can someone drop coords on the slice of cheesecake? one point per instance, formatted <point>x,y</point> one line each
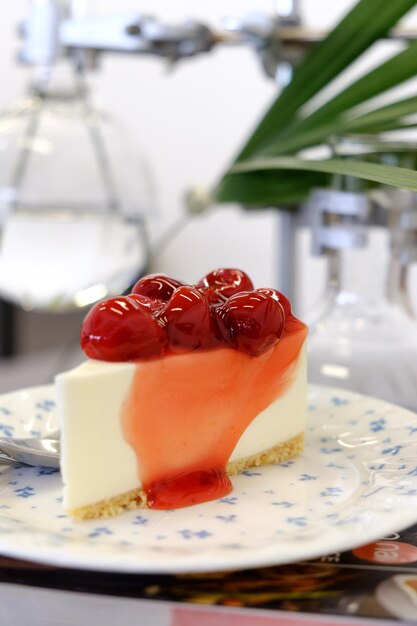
<point>167,431</point>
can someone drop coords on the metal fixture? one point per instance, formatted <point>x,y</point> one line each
<point>54,30</point>
<point>61,32</point>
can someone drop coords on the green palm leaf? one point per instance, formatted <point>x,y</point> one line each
<point>388,114</point>
<point>262,175</point>
<point>258,188</point>
<point>383,174</point>
<point>368,21</point>
<point>253,180</point>
<point>326,121</point>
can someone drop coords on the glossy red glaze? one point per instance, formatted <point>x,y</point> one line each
<point>212,296</point>
<point>182,318</point>
<point>279,297</point>
<point>194,487</point>
<point>122,329</point>
<point>186,319</point>
<point>252,322</point>
<point>184,415</point>
<point>223,283</point>
<point>150,305</point>
<point>157,286</point>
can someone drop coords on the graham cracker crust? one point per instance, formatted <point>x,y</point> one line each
<point>136,498</point>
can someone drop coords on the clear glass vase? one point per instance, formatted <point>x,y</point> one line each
<point>364,337</point>
<point>73,196</point>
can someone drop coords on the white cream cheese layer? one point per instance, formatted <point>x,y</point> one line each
<point>97,463</point>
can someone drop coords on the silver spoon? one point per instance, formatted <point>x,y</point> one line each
<point>44,451</point>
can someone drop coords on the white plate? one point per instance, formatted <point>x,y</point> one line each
<point>355,482</point>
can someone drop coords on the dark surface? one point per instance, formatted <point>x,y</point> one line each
<point>7,329</point>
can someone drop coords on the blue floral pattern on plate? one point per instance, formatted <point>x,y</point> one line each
<point>355,482</point>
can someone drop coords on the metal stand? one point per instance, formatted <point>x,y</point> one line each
<point>286,261</point>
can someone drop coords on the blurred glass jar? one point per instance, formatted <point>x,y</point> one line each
<point>365,335</point>
<point>73,198</point>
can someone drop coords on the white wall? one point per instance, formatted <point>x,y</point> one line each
<point>188,124</point>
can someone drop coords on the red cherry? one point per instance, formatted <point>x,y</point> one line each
<point>148,304</point>
<point>279,297</point>
<point>187,320</point>
<point>225,283</point>
<point>156,286</point>
<point>214,298</point>
<point>252,322</point>
<point>122,329</point>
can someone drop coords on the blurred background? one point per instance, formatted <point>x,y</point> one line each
<point>180,126</point>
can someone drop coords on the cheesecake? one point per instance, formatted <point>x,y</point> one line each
<point>183,387</point>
